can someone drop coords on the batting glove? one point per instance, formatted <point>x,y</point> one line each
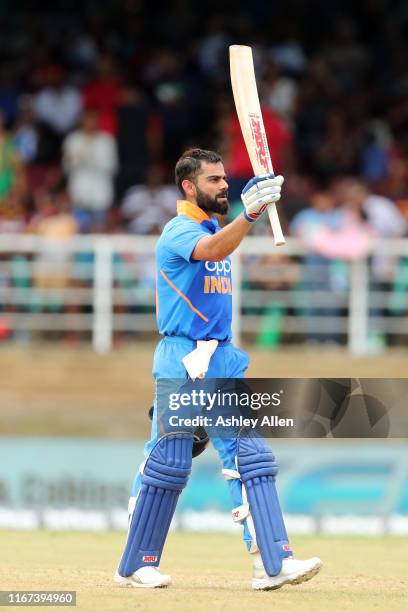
<point>259,193</point>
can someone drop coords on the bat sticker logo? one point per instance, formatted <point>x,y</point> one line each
<point>261,152</point>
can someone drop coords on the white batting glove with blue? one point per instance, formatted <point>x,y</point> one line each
<point>259,193</point>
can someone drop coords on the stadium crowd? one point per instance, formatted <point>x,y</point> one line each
<point>98,101</point>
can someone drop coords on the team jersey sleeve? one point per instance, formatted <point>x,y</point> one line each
<point>182,238</point>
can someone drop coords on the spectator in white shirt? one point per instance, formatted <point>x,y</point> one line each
<point>147,208</point>
<point>56,110</point>
<point>384,217</point>
<point>382,214</point>
<point>58,105</point>
<point>90,163</point>
<point>388,222</point>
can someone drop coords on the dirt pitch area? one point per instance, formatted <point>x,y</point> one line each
<point>209,572</point>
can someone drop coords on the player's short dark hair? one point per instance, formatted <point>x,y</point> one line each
<point>189,164</point>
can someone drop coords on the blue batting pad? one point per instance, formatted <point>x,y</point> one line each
<point>257,469</point>
<point>164,477</point>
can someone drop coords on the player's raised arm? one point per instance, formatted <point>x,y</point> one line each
<point>259,193</point>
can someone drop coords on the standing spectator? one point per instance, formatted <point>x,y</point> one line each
<point>57,108</point>
<point>213,47</point>
<point>337,152</point>
<point>103,93</point>
<point>90,162</point>
<point>9,92</point>
<point>133,138</point>
<point>279,92</point>
<point>25,131</point>
<point>312,105</point>
<point>11,169</point>
<point>177,103</point>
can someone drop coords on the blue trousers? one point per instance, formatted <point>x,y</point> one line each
<point>227,362</point>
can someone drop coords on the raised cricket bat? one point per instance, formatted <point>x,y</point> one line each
<point>251,122</point>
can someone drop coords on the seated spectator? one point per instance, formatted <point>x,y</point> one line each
<point>382,214</point>
<point>147,208</point>
<point>52,266</point>
<point>376,153</point>
<point>333,233</point>
<point>273,275</point>
<point>53,216</point>
<point>388,222</point>
<point>13,216</point>
<point>317,272</point>
<point>385,219</point>
<point>321,213</point>
<point>90,163</point>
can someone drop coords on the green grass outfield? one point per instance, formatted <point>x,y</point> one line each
<point>210,572</point>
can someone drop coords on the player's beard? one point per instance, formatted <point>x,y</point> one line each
<point>213,205</point>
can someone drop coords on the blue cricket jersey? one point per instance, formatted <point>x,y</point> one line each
<point>194,298</point>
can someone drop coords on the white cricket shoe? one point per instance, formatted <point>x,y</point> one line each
<point>146,577</point>
<point>293,571</point>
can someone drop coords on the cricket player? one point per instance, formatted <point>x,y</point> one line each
<point>194,306</point>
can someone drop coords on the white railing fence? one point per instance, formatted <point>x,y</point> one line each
<point>99,286</point>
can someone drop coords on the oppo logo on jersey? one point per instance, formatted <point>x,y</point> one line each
<point>219,267</point>
<point>220,282</point>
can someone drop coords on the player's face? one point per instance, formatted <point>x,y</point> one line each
<point>212,189</point>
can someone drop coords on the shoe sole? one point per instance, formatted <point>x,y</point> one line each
<point>139,585</point>
<point>296,579</point>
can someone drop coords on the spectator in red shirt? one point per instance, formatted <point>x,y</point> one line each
<point>102,93</point>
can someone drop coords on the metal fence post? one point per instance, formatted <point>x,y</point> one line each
<point>102,324</point>
<point>358,307</point>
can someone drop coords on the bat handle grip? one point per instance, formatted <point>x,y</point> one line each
<point>276,226</point>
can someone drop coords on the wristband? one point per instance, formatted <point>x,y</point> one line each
<point>250,217</point>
